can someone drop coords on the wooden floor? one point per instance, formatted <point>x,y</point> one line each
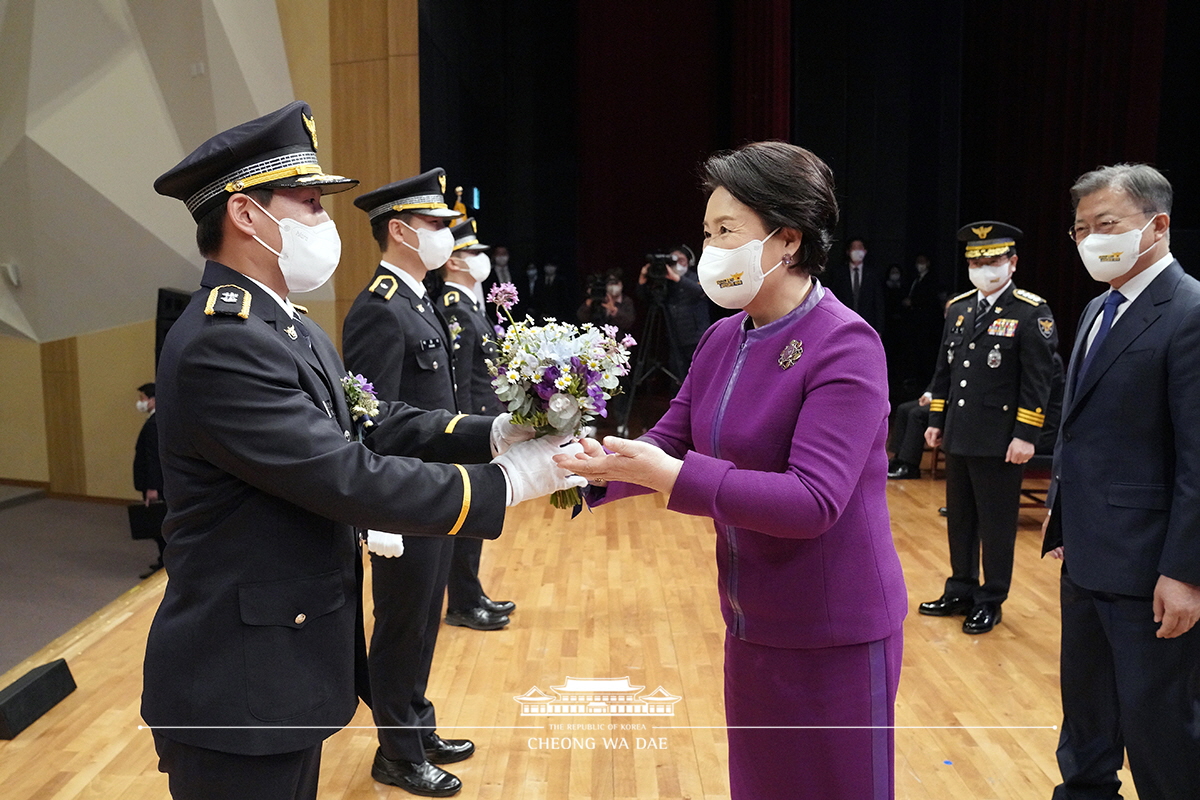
<point>627,591</point>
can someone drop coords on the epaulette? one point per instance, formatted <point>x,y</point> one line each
<point>302,309</point>
<point>451,297</point>
<point>1028,297</point>
<point>385,286</point>
<point>228,300</point>
<point>962,296</point>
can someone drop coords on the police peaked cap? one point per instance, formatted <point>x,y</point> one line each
<point>423,194</point>
<point>466,236</point>
<point>988,238</point>
<point>276,151</point>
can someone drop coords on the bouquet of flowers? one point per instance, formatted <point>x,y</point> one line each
<point>555,377</point>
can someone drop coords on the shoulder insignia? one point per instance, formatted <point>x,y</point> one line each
<point>228,300</point>
<point>385,286</point>
<point>450,298</point>
<point>962,296</point>
<point>1028,297</point>
<point>300,308</point>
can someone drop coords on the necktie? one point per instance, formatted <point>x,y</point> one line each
<point>981,314</point>
<point>303,331</point>
<point>855,282</point>
<point>1111,302</point>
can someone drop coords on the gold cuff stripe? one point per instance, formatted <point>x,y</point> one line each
<point>453,422</point>
<point>466,505</point>
<point>273,175</point>
<point>1031,417</point>
<point>937,406</point>
<point>380,279</point>
<point>210,308</point>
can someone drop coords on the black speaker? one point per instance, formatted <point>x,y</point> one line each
<point>171,303</point>
<point>33,694</point>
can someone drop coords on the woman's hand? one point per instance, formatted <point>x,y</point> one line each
<point>628,461</point>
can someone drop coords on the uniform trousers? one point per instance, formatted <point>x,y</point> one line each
<point>463,587</point>
<point>197,773</point>
<point>812,723</point>
<point>1124,689</point>
<point>983,501</point>
<point>908,432</point>
<point>408,593</point>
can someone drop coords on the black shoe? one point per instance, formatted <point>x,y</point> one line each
<point>418,778</point>
<point>982,618</point>
<point>942,511</point>
<point>904,471</point>
<point>447,751</point>
<point>476,618</point>
<point>496,607</point>
<point>946,606</point>
<point>155,567</point>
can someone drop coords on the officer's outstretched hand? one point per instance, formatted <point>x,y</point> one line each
<point>506,433</point>
<point>388,545</point>
<point>531,470</point>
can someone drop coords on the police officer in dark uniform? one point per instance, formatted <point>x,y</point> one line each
<point>394,336</point>
<point>991,392</point>
<point>474,342</point>
<point>256,653</point>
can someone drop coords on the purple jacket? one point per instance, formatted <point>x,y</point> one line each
<point>790,465</point>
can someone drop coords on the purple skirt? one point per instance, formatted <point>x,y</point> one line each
<point>813,723</point>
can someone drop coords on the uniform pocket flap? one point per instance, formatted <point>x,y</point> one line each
<point>1140,495</point>
<point>291,603</point>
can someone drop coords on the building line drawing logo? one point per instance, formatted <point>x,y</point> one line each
<point>597,696</point>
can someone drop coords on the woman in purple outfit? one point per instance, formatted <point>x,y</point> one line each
<point>778,435</point>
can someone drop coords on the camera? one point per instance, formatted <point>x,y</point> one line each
<point>597,288</point>
<point>659,264</point>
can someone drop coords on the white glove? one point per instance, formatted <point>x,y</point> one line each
<point>531,470</point>
<point>388,545</point>
<point>506,433</point>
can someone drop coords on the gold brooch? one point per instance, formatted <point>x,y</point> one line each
<point>791,354</point>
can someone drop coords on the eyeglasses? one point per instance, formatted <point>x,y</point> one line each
<point>1077,233</point>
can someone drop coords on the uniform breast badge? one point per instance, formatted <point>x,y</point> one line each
<point>791,354</point>
<point>994,357</point>
<point>290,330</point>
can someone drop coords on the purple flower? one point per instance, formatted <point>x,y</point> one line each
<point>503,295</point>
<point>610,331</point>
<point>364,385</point>
<point>628,341</point>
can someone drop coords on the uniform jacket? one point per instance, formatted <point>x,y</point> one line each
<point>147,470</point>
<point>259,622</point>
<point>994,383</point>
<point>473,343</point>
<point>789,463</point>
<point>1126,488</point>
<point>398,342</point>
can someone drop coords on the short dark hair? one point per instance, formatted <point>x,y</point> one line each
<point>147,389</point>
<point>1148,187</point>
<point>210,229</point>
<point>788,187</point>
<point>379,226</point>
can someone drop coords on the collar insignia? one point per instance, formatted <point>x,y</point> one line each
<point>290,330</point>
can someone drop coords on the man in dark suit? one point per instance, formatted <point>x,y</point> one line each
<point>1125,501</point>
<point>990,395</point>
<point>859,286</point>
<point>147,468</point>
<point>394,335</point>
<point>256,654</point>
<point>473,342</point>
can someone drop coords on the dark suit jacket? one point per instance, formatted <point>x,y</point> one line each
<point>870,305</point>
<point>1126,488</point>
<point>397,341</point>
<point>994,382</point>
<point>261,621</point>
<point>147,469</point>
<point>474,343</point>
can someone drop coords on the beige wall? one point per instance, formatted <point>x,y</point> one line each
<point>22,415</point>
<point>112,364</point>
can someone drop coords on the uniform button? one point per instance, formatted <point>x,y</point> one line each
<point>1066,437</point>
<point>1006,408</point>
<point>966,364</point>
<point>961,402</point>
<point>347,435</point>
<point>962,383</point>
<point>971,345</point>
<point>435,365</point>
<point>300,619</point>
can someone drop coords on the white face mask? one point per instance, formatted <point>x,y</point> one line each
<point>732,277</point>
<point>143,406</point>
<point>988,279</point>
<point>1108,256</point>
<point>614,290</point>
<point>309,253</point>
<point>856,256</point>
<point>434,247</point>
<point>479,265</point>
